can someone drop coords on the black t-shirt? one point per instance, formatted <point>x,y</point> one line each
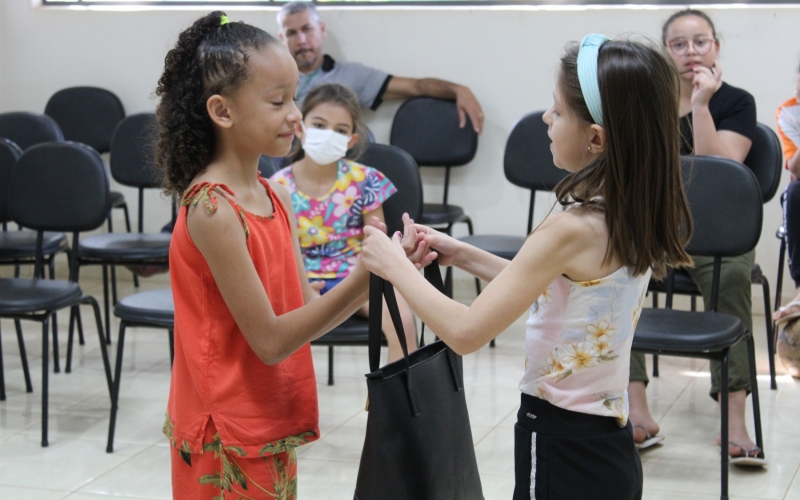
<point>731,108</point>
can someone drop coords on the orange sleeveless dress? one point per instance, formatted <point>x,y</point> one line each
<point>223,398</point>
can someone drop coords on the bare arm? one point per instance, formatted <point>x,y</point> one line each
<point>220,239</point>
<point>467,104</point>
<point>707,140</point>
<point>545,256</point>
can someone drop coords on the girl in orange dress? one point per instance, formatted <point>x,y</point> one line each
<point>243,393</point>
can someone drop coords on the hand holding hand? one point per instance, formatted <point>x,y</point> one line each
<point>379,254</point>
<point>706,82</point>
<point>445,247</point>
<point>468,105</point>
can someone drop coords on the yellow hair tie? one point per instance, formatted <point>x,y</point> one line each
<point>223,20</point>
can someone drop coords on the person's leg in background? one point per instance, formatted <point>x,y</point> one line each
<point>791,222</point>
<point>645,428</point>
<point>734,299</point>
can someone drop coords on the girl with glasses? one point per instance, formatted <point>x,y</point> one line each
<point>716,119</point>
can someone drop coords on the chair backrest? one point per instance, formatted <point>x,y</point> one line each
<point>765,159</point>
<point>9,154</point>
<point>132,159</point>
<point>428,130</point>
<point>725,202</point>
<point>528,161</point>
<point>28,129</point>
<point>402,170</point>
<point>86,114</point>
<point>60,186</point>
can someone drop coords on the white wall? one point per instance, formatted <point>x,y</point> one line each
<point>507,56</point>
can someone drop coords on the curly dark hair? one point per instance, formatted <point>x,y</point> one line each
<point>210,58</point>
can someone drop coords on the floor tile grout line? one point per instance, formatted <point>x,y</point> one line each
<point>114,468</point>
<point>789,487</point>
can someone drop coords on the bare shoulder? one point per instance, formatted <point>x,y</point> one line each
<point>578,225</point>
<point>281,191</point>
<point>211,217</point>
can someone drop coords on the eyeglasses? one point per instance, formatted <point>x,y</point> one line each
<point>701,46</point>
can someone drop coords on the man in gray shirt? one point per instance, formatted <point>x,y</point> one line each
<point>302,31</point>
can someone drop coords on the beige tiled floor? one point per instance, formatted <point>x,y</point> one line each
<point>76,466</point>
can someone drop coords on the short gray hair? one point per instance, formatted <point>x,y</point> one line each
<point>297,7</point>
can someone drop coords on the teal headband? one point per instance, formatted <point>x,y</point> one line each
<point>587,74</point>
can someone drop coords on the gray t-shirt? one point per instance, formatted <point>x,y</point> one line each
<point>369,84</point>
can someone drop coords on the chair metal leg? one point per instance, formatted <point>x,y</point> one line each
<point>655,300</point>
<point>171,346</point>
<point>2,374</point>
<point>330,365</point>
<point>73,312</point>
<point>106,307</point>
<point>113,285</point>
<point>655,365</point>
<point>751,352</point>
<point>724,428</point>
<point>56,364</point>
<point>770,334</point>
<point>127,217</point>
<point>88,299</point>
<point>469,225</point>
<point>45,380</point>
<point>115,388</point>
<point>23,355</point>
<point>693,301</point>
<point>779,280</point>
<point>81,341</point>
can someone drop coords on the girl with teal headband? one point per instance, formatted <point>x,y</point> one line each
<point>582,273</point>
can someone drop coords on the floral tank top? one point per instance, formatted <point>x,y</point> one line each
<point>331,228</point>
<point>578,343</point>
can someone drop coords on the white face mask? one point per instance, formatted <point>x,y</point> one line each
<point>324,146</point>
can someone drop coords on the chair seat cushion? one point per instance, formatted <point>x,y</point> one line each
<point>25,295</point>
<point>501,245</point>
<point>354,331</point>
<point>434,214</point>
<point>756,274</point>
<point>669,330</point>
<point>116,199</point>
<point>22,244</point>
<point>126,247</point>
<point>150,308</point>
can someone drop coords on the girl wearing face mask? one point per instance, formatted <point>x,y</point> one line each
<point>333,196</point>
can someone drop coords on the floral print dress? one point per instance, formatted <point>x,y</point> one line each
<point>331,228</point>
<point>578,343</point>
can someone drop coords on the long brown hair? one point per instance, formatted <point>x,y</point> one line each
<point>333,93</point>
<point>636,181</point>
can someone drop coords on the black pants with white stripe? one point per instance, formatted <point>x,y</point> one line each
<point>565,455</point>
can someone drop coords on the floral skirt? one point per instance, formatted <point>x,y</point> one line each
<point>224,472</point>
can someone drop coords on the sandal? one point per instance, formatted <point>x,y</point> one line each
<point>789,317</point>
<point>750,457</point>
<point>649,439</point>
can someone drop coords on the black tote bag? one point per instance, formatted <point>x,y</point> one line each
<point>418,444</point>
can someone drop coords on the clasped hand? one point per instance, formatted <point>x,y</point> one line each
<point>419,245</point>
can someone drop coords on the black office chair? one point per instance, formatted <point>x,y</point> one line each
<point>727,219</point>
<point>16,246</point>
<point>132,164</point>
<point>55,187</point>
<point>766,162</point>
<point>90,115</point>
<point>428,130</point>
<point>29,129</point>
<point>527,163</point>
<point>153,309</point>
<point>401,169</point>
